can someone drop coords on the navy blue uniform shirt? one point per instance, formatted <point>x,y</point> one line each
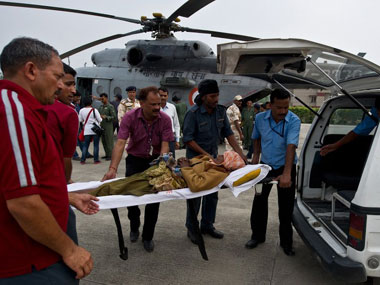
<point>207,130</point>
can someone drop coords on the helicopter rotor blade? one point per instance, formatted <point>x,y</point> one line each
<point>33,6</point>
<point>219,34</point>
<point>98,42</point>
<point>188,9</point>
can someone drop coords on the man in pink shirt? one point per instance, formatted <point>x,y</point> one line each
<point>149,131</point>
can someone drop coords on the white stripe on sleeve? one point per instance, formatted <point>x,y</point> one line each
<point>25,136</point>
<point>14,139</point>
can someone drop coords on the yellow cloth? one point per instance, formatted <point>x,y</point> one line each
<point>203,175</point>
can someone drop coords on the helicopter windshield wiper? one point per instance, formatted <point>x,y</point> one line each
<point>353,99</point>
<point>97,42</point>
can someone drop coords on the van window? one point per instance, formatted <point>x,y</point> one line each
<point>340,68</point>
<point>343,120</point>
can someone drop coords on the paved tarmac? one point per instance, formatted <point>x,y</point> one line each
<point>175,260</point>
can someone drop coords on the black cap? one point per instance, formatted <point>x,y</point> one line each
<point>130,88</point>
<point>118,96</point>
<point>208,86</point>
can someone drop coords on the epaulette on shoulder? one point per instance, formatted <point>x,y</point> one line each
<point>221,108</point>
<point>194,108</point>
<point>125,103</point>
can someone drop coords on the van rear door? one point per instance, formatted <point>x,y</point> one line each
<point>285,60</point>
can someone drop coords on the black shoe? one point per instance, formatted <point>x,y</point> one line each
<point>191,236</point>
<point>252,243</point>
<point>134,236</point>
<point>89,156</point>
<point>213,232</point>
<point>288,250</point>
<point>103,157</point>
<point>148,245</point>
<point>77,158</point>
<point>108,158</point>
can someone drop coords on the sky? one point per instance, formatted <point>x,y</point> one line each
<point>349,25</point>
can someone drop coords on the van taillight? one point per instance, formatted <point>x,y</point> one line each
<point>356,232</point>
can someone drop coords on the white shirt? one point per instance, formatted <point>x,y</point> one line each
<point>91,119</point>
<point>171,111</point>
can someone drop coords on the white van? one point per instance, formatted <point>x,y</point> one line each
<point>337,209</point>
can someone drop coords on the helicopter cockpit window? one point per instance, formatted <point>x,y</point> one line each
<point>200,49</point>
<point>135,56</point>
<point>339,68</point>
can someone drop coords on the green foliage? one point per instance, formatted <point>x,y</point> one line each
<point>339,117</point>
<point>350,117</point>
<point>304,113</point>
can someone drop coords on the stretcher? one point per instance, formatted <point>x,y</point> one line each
<point>114,202</point>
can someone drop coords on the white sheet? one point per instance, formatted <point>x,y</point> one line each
<point>118,201</point>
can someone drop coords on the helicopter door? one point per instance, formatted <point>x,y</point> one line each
<point>100,86</point>
<point>84,86</point>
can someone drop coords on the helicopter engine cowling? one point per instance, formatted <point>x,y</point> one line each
<point>159,55</point>
<point>170,54</point>
<point>110,58</point>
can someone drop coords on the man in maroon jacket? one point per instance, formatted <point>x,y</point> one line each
<point>34,202</point>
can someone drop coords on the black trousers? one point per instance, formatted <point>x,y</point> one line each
<point>71,230</point>
<point>134,165</point>
<point>172,147</point>
<point>209,203</point>
<point>259,214</point>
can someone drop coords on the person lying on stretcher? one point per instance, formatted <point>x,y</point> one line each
<point>199,173</point>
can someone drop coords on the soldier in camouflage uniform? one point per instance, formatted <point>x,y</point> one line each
<point>248,117</point>
<point>234,116</point>
<point>108,114</point>
<point>128,104</point>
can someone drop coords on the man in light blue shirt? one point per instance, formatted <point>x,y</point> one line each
<point>275,136</point>
<point>364,128</point>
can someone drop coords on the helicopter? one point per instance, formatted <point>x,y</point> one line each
<point>178,65</point>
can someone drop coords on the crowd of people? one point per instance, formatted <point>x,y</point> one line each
<point>43,122</point>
